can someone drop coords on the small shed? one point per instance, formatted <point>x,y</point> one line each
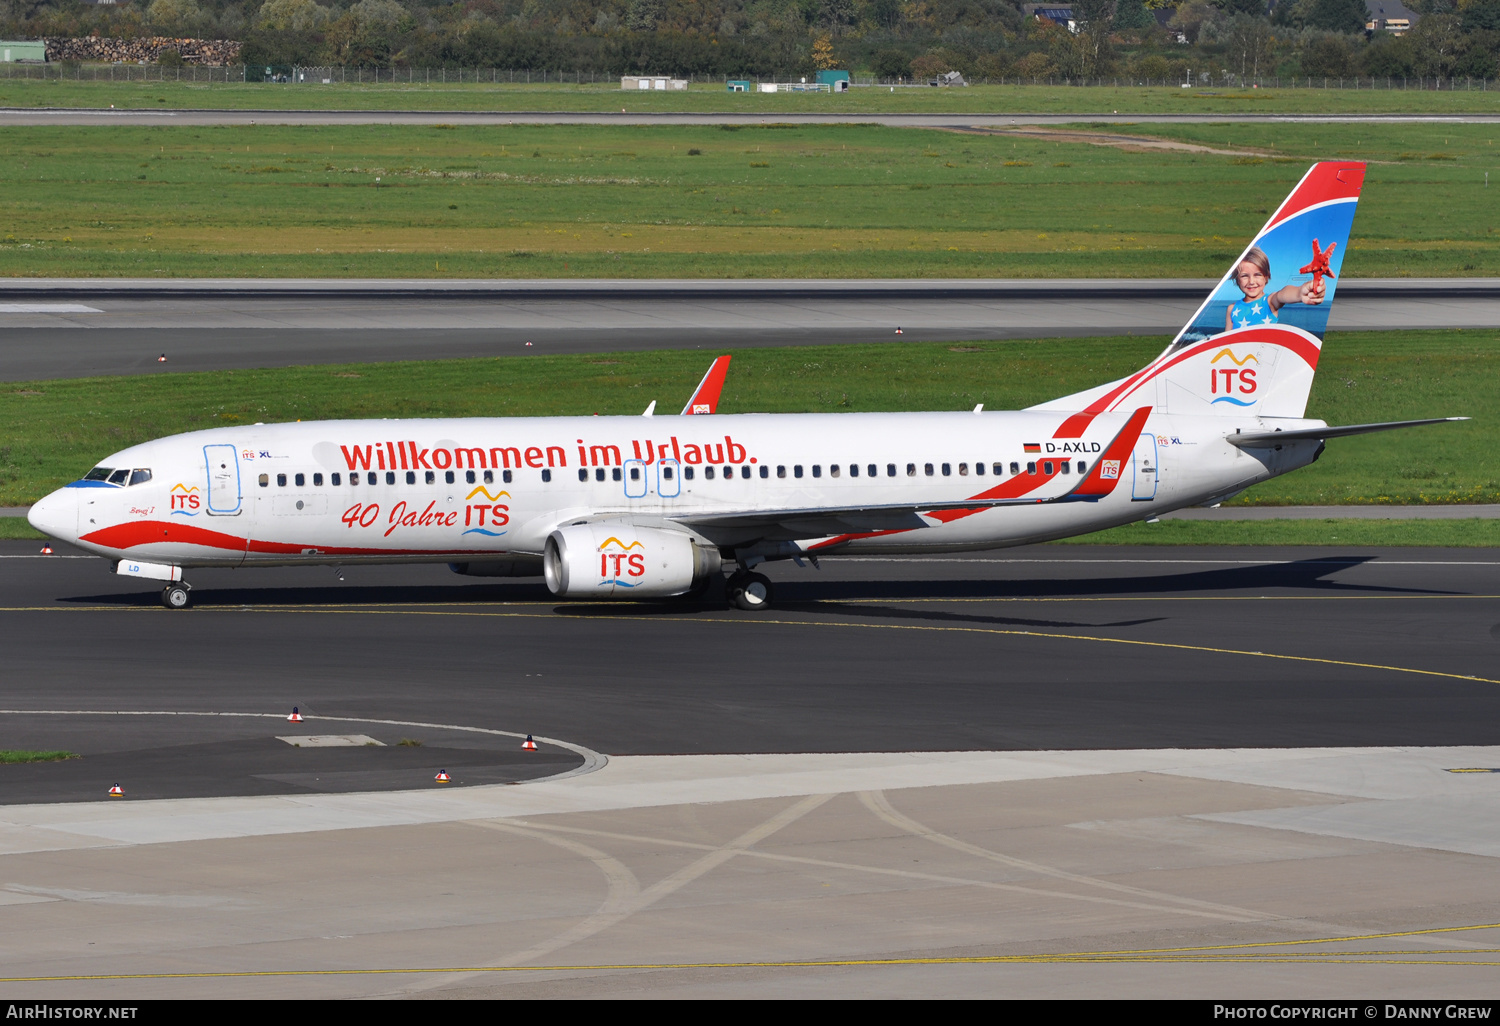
<point>738,85</point>
<point>634,82</point>
<point>31,52</point>
<point>838,81</point>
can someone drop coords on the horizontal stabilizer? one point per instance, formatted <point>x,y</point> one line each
<point>1260,439</point>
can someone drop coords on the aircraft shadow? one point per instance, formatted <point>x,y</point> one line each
<point>807,592</point>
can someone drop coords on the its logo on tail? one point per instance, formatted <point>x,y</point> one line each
<point>1237,378</point>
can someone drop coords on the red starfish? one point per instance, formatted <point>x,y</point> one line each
<point>1319,265</point>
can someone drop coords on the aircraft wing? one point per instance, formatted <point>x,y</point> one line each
<point>706,396</point>
<point>737,527</point>
<point>1261,439</point>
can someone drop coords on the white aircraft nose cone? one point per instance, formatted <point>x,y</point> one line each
<point>56,515</point>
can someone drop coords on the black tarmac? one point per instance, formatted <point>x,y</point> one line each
<point>1047,647</point>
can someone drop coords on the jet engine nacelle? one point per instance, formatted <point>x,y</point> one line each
<point>616,560</point>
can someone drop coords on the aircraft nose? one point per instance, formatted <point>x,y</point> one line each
<point>56,515</point>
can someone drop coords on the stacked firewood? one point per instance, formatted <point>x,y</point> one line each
<point>94,50</point>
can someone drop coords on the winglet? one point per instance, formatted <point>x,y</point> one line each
<point>1110,466</point>
<point>706,397</point>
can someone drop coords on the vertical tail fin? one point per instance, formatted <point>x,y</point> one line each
<point>1252,346</point>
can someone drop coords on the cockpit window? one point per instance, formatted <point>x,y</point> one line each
<point>99,474</point>
<point>139,476</point>
<point>119,477</point>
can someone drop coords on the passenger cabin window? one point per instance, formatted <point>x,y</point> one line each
<point>687,472</point>
<point>1046,466</point>
<point>336,480</point>
<point>447,476</point>
<point>583,474</point>
<point>765,472</point>
<point>99,474</point>
<point>489,477</point>
<point>119,477</point>
<point>1082,467</point>
<point>927,469</point>
<point>911,470</point>
<point>635,473</point>
<point>797,470</point>
<point>300,480</point>
<point>390,477</point>
<point>872,470</point>
<point>265,479</point>
<point>1031,467</point>
<point>979,469</point>
<point>817,470</point>
<point>1015,468</point>
<point>854,470</point>
<point>708,473</point>
<point>614,474</point>
<point>963,470</point>
<point>431,477</point>
<point>370,477</point>
<point>411,477</point>
<point>317,480</point>
<point>280,480</point>
<point>469,477</point>
<point>999,469</point>
<point>745,472</point>
<point>833,471</point>
<point>546,476</point>
<point>1066,466</point>
<point>780,471</point>
<point>666,473</point>
<point>947,469</point>
<point>598,473</point>
<point>139,476</point>
<point>890,470</point>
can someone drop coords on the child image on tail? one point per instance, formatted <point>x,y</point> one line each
<point>1259,307</point>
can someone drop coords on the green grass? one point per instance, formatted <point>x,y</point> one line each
<point>1475,533</point>
<point>13,528</point>
<point>52,431</point>
<point>776,201</point>
<point>606,97</point>
<point>9,756</point>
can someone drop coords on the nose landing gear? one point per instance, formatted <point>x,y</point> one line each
<point>749,591</point>
<point>176,596</point>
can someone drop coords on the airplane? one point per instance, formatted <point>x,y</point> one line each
<point>656,507</point>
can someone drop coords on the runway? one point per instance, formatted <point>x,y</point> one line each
<point>15,116</point>
<point>1041,772</point>
<point>51,329</point>
<point>1037,648</point>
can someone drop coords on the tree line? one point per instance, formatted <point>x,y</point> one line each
<point>1155,40</point>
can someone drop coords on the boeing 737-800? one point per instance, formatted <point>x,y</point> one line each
<point>649,507</point>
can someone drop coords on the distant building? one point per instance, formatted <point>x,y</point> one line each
<point>1058,14</point>
<point>1388,16</point>
<point>838,81</point>
<point>949,78</point>
<point>652,82</point>
<point>24,52</point>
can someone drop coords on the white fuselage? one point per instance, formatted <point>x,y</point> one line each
<point>476,489</point>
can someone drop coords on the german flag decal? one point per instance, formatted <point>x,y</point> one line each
<point>1033,446</point>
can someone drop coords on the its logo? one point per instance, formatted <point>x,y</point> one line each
<point>184,500</point>
<point>702,408</point>
<point>247,454</point>
<point>494,511</point>
<point>1238,378</point>
<point>634,563</point>
<point>1109,470</point>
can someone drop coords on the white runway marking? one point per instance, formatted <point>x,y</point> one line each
<point>6,308</point>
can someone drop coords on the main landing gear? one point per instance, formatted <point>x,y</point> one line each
<point>749,591</point>
<point>176,596</point>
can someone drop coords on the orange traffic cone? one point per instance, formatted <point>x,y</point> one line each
<point>162,358</point>
<point>46,550</point>
<point>117,791</point>
<point>900,332</point>
<point>442,777</point>
<point>295,717</point>
<point>530,745</point>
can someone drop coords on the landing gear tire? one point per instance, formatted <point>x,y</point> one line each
<point>749,592</point>
<point>176,596</point>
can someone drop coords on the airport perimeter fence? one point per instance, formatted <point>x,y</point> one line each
<point>293,75</point>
